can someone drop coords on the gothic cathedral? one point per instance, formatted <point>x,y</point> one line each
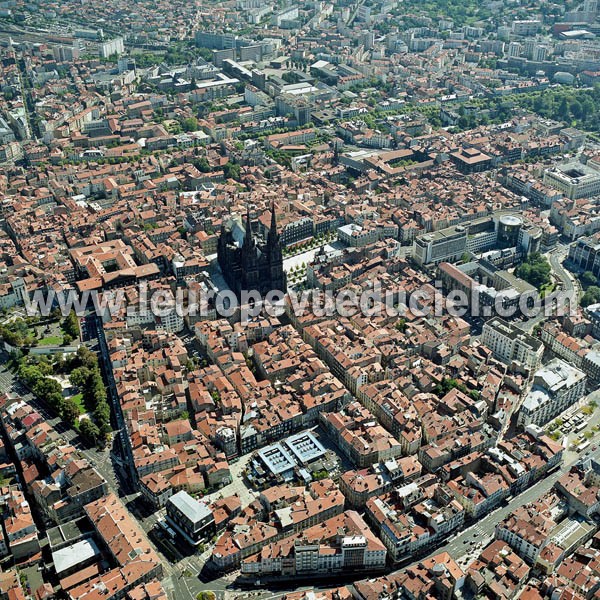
<point>254,264</point>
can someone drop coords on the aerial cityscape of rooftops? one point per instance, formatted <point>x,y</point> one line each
<point>299,300</point>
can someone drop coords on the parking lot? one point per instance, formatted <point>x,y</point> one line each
<point>576,427</point>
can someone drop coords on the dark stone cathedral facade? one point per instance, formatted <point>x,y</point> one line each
<point>252,263</point>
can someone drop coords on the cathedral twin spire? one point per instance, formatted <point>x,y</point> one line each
<point>272,238</point>
<point>255,265</point>
<point>248,238</point>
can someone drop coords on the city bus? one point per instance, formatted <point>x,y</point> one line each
<point>583,446</point>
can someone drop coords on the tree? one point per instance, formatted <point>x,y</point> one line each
<point>69,411</point>
<point>30,374</point>
<point>591,296</point>
<point>401,324</point>
<point>59,363</point>
<point>588,279</point>
<point>232,171</point>
<point>98,389</point>
<point>87,358</point>
<point>202,165</point>
<point>17,333</point>
<point>448,385</point>
<point>563,110</point>
<point>90,431</point>
<point>71,325</point>
<point>54,401</point>
<point>576,109</point>
<point>190,124</point>
<point>105,429</point>
<point>80,376</point>
<point>535,270</point>
<point>587,107</point>
<point>540,105</point>
<point>46,387</point>
<point>102,413</point>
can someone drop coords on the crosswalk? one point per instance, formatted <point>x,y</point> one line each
<point>481,534</point>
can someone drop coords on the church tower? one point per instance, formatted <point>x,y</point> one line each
<point>252,263</point>
<point>274,254</point>
<point>250,254</point>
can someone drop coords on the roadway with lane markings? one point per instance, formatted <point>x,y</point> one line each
<point>483,531</point>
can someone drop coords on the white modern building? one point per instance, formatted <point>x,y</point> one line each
<point>446,245</point>
<point>356,236</point>
<point>556,386</point>
<point>575,180</point>
<point>111,47</point>
<point>193,520</point>
<point>512,345</point>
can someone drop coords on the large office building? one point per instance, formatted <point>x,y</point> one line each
<point>556,386</point>
<point>111,47</point>
<point>502,231</point>
<point>444,245</point>
<point>592,312</point>
<point>6,133</point>
<point>191,519</point>
<point>585,253</point>
<point>575,180</point>
<point>217,41</point>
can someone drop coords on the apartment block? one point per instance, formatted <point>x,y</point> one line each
<point>556,386</point>
<point>512,345</point>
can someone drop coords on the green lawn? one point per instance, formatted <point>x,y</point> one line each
<point>51,340</point>
<point>78,399</point>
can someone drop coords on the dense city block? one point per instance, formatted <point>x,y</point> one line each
<point>299,300</point>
